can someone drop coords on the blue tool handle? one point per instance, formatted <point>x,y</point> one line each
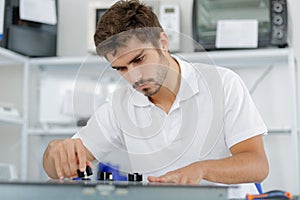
<point>274,194</point>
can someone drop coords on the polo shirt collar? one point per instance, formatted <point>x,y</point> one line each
<point>189,83</point>
<point>188,86</point>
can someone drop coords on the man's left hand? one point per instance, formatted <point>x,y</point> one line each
<point>190,174</point>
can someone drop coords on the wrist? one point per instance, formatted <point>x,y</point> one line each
<point>202,169</point>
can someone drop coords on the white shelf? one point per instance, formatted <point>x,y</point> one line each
<point>255,57</point>
<point>53,131</point>
<point>4,62</point>
<point>235,55</point>
<point>279,131</point>
<point>260,56</point>
<point>12,57</point>
<point>72,131</point>
<point>11,120</point>
<point>52,61</point>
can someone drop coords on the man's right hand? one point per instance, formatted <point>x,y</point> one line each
<point>62,158</point>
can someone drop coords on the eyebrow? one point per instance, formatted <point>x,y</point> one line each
<point>131,61</point>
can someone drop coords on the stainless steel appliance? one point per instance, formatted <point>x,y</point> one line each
<point>270,14</point>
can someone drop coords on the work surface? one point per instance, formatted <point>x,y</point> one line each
<point>92,190</point>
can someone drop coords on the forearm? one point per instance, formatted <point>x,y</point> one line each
<point>241,168</point>
<point>248,163</point>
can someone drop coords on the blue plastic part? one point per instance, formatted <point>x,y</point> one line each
<point>114,169</point>
<point>259,188</point>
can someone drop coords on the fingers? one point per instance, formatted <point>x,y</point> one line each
<point>67,156</point>
<point>162,179</point>
<point>65,164</point>
<point>72,160</point>
<point>81,155</point>
<point>153,179</point>
<point>53,160</point>
<point>175,177</point>
<point>57,165</point>
<point>90,164</point>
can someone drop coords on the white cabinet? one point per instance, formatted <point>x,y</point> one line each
<point>33,70</point>
<point>278,104</point>
<point>11,58</point>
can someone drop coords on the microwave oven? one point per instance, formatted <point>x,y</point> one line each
<point>270,15</point>
<point>97,8</point>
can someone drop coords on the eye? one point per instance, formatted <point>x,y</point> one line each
<point>139,59</point>
<point>120,68</point>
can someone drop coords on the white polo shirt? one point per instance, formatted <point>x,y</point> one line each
<point>208,116</point>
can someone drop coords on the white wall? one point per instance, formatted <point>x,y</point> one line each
<point>72,17</point>
<point>294,6</point>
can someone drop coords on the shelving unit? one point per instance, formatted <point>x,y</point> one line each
<point>52,131</point>
<point>11,58</point>
<point>224,58</point>
<point>254,56</point>
<point>12,120</point>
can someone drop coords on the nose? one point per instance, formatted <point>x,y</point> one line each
<point>135,74</point>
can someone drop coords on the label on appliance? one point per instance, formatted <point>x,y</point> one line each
<point>42,11</point>
<point>237,33</point>
<point>169,18</point>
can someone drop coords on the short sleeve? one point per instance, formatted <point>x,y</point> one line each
<point>242,119</point>
<point>101,134</point>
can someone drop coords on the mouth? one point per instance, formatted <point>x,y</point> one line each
<point>143,84</point>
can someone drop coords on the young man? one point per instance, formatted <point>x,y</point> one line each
<point>174,122</point>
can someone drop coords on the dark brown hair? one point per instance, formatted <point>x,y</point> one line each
<point>126,18</point>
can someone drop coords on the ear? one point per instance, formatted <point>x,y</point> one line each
<point>164,41</point>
